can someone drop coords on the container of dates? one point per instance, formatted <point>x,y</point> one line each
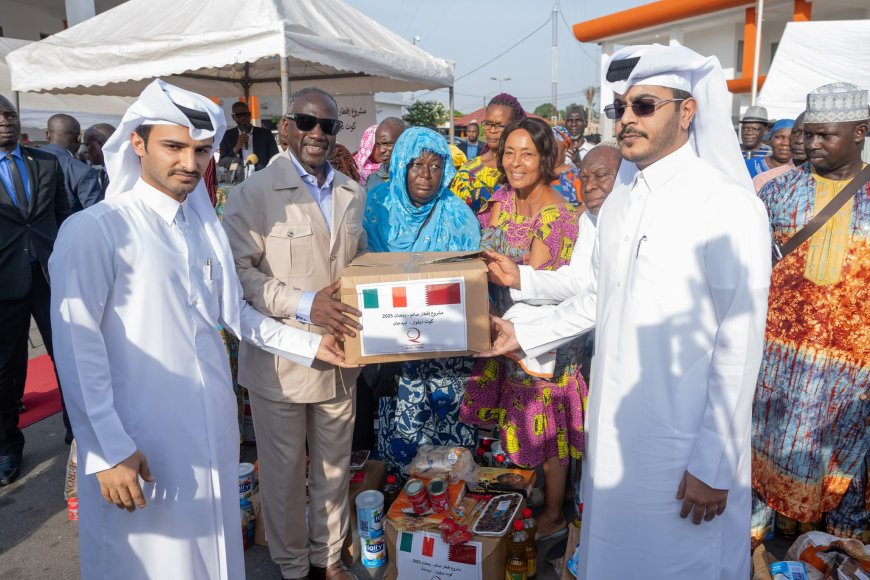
<point>496,518</point>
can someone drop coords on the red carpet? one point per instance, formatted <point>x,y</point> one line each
<point>41,395</point>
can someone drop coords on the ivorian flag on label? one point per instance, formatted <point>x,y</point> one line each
<point>412,295</point>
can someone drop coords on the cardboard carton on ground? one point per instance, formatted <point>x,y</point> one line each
<point>493,550</point>
<point>417,306</point>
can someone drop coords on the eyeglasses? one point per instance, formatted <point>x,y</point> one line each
<point>490,126</point>
<point>307,122</point>
<point>640,107</point>
<point>242,114</point>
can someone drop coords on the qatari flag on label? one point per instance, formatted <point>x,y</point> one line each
<point>442,294</point>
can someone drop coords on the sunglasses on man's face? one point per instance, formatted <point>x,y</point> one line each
<point>307,123</point>
<point>641,108</point>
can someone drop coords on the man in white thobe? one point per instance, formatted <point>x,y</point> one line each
<point>680,299</point>
<point>140,285</point>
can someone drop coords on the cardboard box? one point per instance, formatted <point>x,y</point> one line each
<point>417,306</point>
<point>497,480</point>
<point>259,527</point>
<point>493,549</point>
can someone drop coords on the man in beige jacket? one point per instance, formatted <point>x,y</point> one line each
<point>293,227</point>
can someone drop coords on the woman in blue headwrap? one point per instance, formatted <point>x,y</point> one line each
<point>780,149</point>
<point>416,212</point>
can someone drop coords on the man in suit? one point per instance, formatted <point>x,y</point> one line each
<point>245,139</point>
<point>33,203</point>
<point>82,182</point>
<point>471,146</point>
<point>293,227</point>
<point>95,137</point>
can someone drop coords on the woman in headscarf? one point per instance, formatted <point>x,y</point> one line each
<point>538,404</point>
<point>780,151</point>
<point>798,156</point>
<point>364,158</point>
<point>477,179</point>
<point>415,212</point>
<point>567,181</point>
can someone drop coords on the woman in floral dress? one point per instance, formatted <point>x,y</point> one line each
<point>540,417</point>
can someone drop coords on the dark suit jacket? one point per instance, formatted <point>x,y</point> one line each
<point>20,236</point>
<point>262,142</point>
<point>464,148</point>
<point>82,182</point>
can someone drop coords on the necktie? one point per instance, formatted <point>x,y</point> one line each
<point>19,196</point>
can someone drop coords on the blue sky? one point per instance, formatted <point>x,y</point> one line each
<point>471,32</point>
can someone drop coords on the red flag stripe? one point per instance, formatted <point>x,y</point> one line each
<point>400,297</point>
<point>428,546</point>
<point>442,294</point>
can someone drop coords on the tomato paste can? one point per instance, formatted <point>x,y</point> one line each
<point>439,495</point>
<point>415,489</point>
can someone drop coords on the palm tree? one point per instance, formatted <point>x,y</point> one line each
<point>590,93</point>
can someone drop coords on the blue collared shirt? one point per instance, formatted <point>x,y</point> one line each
<point>322,194</point>
<point>6,175</point>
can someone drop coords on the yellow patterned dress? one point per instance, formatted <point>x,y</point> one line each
<point>475,184</point>
<point>538,418</point>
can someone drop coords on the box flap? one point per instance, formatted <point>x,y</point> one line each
<point>410,261</point>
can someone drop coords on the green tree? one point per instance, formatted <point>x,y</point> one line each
<point>424,113</point>
<point>546,110</point>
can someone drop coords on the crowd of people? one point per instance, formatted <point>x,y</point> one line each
<point>725,392</point>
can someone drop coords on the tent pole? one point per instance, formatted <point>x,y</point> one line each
<point>16,97</point>
<point>452,126</point>
<point>759,18</point>
<point>285,86</point>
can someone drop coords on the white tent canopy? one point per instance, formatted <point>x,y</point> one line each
<point>223,47</point>
<point>812,54</point>
<point>35,109</point>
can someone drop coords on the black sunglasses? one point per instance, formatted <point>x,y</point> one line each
<point>307,122</point>
<point>640,107</point>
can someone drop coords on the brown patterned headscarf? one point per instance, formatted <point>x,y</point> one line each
<point>343,162</point>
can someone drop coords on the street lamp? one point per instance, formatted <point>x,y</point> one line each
<point>500,80</point>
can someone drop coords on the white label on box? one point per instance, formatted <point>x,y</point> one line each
<point>422,555</point>
<point>413,316</point>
